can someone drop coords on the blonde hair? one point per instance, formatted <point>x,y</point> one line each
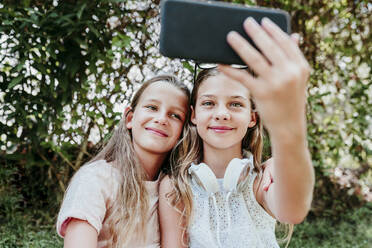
<point>190,150</point>
<point>128,214</point>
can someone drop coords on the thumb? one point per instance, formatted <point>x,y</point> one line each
<point>295,37</point>
<point>267,182</point>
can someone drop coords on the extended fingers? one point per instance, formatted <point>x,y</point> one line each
<point>263,41</point>
<point>295,38</point>
<point>288,44</point>
<point>248,53</point>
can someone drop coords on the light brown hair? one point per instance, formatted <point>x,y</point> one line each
<point>190,150</point>
<point>128,215</point>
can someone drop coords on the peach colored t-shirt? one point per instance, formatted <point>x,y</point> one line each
<point>92,191</point>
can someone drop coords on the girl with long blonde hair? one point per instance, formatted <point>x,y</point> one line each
<point>214,195</point>
<point>112,200</point>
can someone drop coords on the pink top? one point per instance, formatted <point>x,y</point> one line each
<point>92,191</point>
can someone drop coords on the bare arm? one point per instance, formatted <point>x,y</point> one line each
<point>171,223</point>
<point>80,233</point>
<point>293,184</point>
<point>279,91</point>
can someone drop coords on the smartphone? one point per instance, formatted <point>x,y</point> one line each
<point>197,30</point>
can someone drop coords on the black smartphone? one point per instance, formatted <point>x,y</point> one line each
<point>197,30</point>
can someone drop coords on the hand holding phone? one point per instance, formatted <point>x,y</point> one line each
<point>281,74</point>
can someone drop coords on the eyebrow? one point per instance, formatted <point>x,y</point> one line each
<point>152,100</point>
<point>234,97</point>
<point>175,107</point>
<point>239,97</point>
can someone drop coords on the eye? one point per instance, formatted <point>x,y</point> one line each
<point>151,107</point>
<point>236,104</point>
<point>177,116</point>
<point>207,103</point>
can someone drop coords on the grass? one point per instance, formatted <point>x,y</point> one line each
<point>44,237</point>
<point>354,229</point>
<point>21,231</point>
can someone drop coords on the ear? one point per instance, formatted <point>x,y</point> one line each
<point>193,120</point>
<point>128,115</point>
<point>127,110</point>
<point>253,121</point>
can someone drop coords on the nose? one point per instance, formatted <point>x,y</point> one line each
<point>161,118</point>
<point>222,114</point>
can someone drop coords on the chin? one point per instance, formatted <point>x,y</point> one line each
<point>157,151</point>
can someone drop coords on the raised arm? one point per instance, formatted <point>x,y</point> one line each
<point>290,195</point>
<point>171,222</point>
<point>279,91</point>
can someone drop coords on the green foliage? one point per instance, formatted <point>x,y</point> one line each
<point>64,66</point>
<point>20,232</point>
<point>352,229</point>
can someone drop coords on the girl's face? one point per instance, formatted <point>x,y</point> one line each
<point>158,118</point>
<point>222,112</point>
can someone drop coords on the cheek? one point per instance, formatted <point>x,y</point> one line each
<point>200,116</point>
<point>178,127</point>
<point>245,121</point>
<point>142,117</point>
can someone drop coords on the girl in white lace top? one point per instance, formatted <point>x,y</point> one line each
<point>217,193</point>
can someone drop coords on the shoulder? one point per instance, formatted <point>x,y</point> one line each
<point>166,185</point>
<point>97,175</point>
<point>99,169</point>
<point>98,166</point>
<point>91,190</point>
<point>165,194</point>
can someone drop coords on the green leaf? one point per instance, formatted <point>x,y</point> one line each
<point>95,31</point>
<point>80,12</point>
<point>7,22</point>
<point>188,66</point>
<point>20,65</point>
<point>15,81</point>
<point>125,39</point>
<point>53,15</point>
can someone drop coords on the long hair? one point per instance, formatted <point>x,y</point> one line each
<point>190,150</point>
<point>128,215</point>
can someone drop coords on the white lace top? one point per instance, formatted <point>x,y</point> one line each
<point>224,216</point>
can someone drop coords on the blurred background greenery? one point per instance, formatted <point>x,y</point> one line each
<point>67,69</point>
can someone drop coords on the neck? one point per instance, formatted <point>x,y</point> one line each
<point>218,159</point>
<point>151,163</point>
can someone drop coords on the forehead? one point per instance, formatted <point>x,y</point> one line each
<point>220,85</point>
<point>164,92</point>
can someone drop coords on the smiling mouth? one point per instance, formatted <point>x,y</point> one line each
<point>157,132</point>
<point>221,129</point>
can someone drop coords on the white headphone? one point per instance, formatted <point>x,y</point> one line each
<point>208,180</point>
